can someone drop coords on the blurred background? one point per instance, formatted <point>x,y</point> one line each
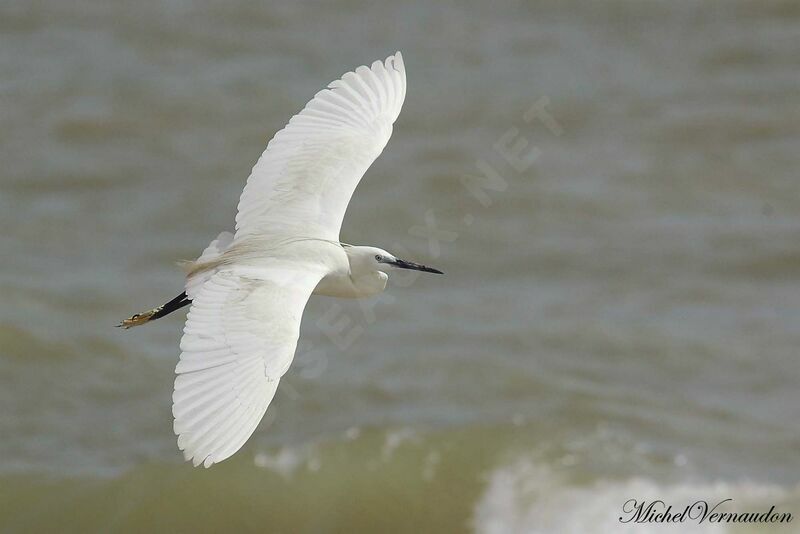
<point>619,318</point>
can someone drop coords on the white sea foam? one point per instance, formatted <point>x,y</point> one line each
<point>288,460</point>
<point>394,439</point>
<point>524,497</point>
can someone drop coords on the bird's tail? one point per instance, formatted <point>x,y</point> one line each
<point>156,313</point>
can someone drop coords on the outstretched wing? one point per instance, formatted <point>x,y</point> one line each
<point>303,181</point>
<point>239,339</point>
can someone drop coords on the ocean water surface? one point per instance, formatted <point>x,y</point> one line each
<point>619,318</point>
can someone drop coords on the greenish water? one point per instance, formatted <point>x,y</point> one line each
<point>618,320</point>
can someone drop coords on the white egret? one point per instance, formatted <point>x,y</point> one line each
<point>248,289</point>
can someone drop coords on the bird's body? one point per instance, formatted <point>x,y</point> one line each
<point>248,289</point>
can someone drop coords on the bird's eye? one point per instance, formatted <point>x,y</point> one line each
<point>378,257</point>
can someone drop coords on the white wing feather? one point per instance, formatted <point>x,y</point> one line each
<point>214,250</point>
<point>239,339</point>
<point>303,181</point>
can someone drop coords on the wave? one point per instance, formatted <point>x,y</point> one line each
<point>526,497</point>
<point>486,479</point>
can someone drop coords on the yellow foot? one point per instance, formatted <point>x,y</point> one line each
<point>138,319</point>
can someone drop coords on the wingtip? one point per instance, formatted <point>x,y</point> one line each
<point>396,60</point>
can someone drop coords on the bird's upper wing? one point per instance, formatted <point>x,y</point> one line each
<point>303,181</point>
<point>239,339</point>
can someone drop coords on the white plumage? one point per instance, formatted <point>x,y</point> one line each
<point>239,340</point>
<point>244,321</point>
<point>248,290</point>
<point>304,179</point>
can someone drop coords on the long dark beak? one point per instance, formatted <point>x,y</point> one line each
<point>403,264</point>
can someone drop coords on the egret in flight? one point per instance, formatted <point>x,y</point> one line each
<point>248,289</point>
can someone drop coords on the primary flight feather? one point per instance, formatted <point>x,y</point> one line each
<point>248,290</point>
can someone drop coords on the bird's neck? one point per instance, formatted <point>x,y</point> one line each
<point>345,285</point>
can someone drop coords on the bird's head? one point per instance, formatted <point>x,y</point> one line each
<point>376,259</point>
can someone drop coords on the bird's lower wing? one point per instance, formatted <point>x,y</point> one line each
<point>239,339</point>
